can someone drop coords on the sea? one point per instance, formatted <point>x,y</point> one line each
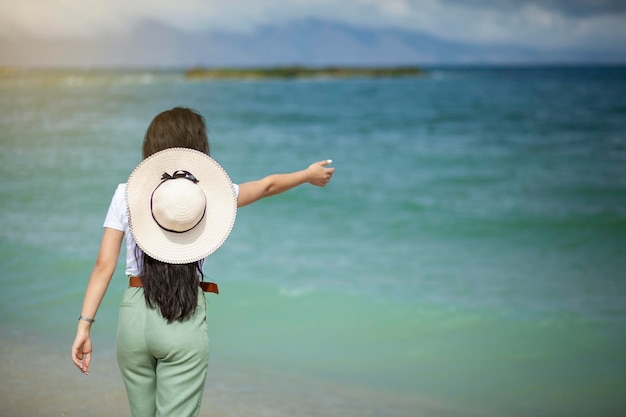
<point>467,259</point>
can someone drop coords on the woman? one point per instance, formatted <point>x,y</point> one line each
<point>177,207</point>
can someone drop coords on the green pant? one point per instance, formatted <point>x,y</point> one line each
<point>163,365</point>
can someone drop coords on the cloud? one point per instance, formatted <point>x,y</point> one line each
<point>534,23</point>
<point>543,24</point>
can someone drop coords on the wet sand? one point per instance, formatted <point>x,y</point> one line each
<point>38,379</point>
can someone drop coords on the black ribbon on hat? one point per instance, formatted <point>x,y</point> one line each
<point>179,174</point>
<point>166,177</point>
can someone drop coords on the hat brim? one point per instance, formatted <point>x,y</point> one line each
<point>209,234</point>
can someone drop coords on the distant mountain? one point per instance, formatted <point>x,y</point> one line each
<point>306,42</point>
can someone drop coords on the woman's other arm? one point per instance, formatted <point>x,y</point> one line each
<point>96,288</point>
<point>316,174</point>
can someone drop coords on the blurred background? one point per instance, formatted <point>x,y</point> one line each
<point>159,33</point>
<point>466,260</point>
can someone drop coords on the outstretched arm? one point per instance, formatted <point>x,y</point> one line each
<point>96,288</point>
<point>316,174</point>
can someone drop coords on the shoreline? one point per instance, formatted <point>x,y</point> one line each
<point>39,379</point>
<point>277,72</point>
<point>288,72</point>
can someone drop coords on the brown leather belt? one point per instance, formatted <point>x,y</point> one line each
<point>205,286</point>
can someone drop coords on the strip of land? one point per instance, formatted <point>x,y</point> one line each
<point>302,72</point>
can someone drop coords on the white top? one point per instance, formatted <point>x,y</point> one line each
<point>117,218</point>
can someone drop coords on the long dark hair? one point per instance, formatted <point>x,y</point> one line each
<point>179,127</point>
<point>172,288</point>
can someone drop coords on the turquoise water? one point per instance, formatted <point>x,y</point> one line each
<point>469,251</point>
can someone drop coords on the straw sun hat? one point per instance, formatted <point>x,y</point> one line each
<point>181,205</point>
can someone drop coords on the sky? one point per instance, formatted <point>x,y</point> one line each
<point>540,24</point>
